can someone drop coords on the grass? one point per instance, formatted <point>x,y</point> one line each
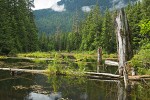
<point>76,62</point>
<point>68,67</point>
<point>1,57</point>
<point>59,70</point>
<point>37,54</point>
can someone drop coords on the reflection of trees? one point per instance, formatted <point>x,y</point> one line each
<point>141,91</point>
<point>70,87</point>
<point>138,92</point>
<point>101,90</point>
<point>121,93</point>
<point>7,92</point>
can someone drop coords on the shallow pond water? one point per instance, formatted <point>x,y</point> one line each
<point>27,86</point>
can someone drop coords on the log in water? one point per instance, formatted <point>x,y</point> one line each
<point>25,70</point>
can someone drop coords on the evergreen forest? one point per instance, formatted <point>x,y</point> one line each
<point>18,31</point>
<point>97,29</point>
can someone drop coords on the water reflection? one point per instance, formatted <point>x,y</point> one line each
<point>40,87</point>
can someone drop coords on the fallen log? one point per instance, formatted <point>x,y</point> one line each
<point>102,77</point>
<point>28,58</point>
<point>104,80</point>
<point>108,76</point>
<point>103,74</point>
<point>111,63</point>
<point>24,70</point>
<point>93,75</point>
<point>139,77</point>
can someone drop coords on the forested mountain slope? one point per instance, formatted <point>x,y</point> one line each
<point>49,21</point>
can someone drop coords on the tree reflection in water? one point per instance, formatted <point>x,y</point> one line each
<point>75,88</point>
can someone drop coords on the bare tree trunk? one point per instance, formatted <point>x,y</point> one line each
<point>124,44</point>
<point>124,40</point>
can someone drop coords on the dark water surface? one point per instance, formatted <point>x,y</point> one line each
<point>40,87</point>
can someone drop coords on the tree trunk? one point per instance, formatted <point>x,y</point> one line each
<point>124,44</point>
<point>123,40</point>
<point>99,59</point>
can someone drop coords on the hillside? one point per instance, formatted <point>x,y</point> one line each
<point>48,20</point>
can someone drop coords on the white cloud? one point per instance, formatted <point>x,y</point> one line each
<point>44,4</point>
<point>58,8</point>
<point>86,8</point>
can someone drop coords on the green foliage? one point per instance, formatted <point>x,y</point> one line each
<point>71,64</point>
<point>38,61</point>
<point>138,16</point>
<point>94,31</point>
<point>145,27</point>
<point>17,28</point>
<point>142,59</point>
<point>108,33</point>
<point>91,30</point>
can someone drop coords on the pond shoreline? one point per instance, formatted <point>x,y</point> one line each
<point>93,75</point>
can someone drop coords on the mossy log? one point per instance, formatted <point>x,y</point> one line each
<point>25,70</point>
<point>28,58</point>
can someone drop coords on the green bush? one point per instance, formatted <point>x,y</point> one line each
<point>142,59</point>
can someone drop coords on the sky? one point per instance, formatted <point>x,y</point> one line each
<point>43,4</point>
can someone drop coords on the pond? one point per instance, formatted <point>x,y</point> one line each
<point>27,86</point>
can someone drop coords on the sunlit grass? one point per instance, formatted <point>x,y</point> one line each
<point>2,57</point>
<point>37,54</point>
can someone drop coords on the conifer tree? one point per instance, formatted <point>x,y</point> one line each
<point>18,30</point>
<point>107,39</point>
<point>91,30</point>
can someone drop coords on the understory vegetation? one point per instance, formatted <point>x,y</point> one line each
<point>141,60</point>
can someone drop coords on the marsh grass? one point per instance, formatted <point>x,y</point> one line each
<point>37,54</point>
<point>1,57</point>
<point>67,63</point>
<point>68,67</point>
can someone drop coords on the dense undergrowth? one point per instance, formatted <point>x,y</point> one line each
<point>141,60</point>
